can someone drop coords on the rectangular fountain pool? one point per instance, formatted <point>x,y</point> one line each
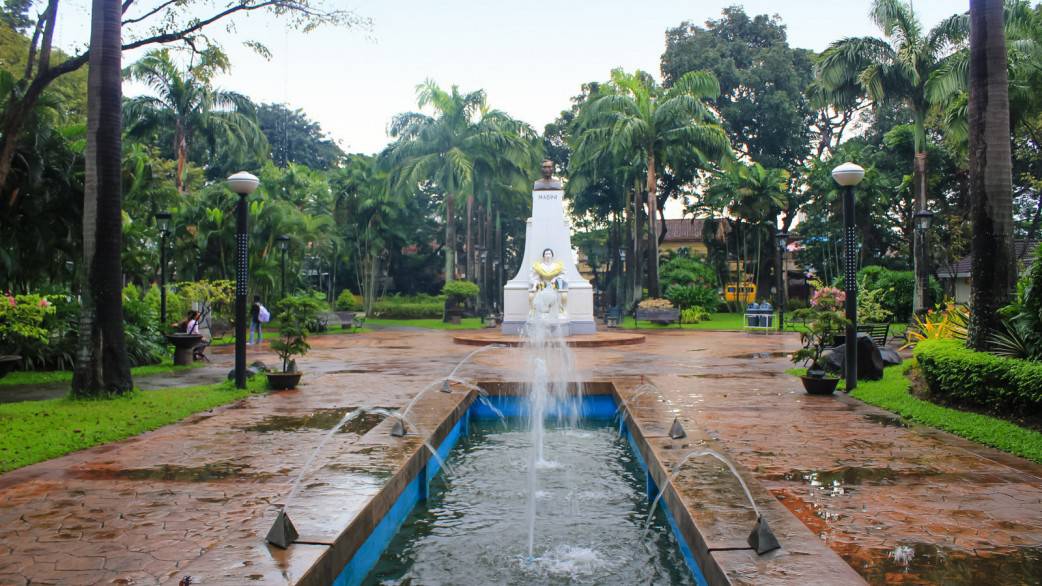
<point>470,523</point>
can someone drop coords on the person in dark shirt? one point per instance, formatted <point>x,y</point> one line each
<point>255,323</point>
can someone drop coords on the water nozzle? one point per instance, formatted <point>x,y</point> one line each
<point>676,431</point>
<point>282,532</point>
<point>762,539</point>
<point>445,386</point>
<point>399,429</point>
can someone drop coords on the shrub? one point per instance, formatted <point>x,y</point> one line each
<point>951,322</point>
<point>898,289</point>
<point>22,326</point>
<point>870,305</point>
<point>683,269</point>
<point>348,301</point>
<point>176,305</point>
<point>460,291</point>
<point>409,307</point>
<point>145,343</point>
<point>685,296</point>
<point>693,315</point>
<point>1022,335</point>
<point>958,374</point>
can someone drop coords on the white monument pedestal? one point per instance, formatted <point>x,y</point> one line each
<point>549,228</point>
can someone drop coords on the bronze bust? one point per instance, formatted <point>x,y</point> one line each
<point>547,182</point>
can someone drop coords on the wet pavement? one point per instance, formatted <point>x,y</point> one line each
<point>900,503</point>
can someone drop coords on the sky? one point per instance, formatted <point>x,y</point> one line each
<point>531,57</point>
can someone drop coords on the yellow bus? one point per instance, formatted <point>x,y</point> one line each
<point>744,292</point>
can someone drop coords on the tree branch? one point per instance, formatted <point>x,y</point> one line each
<point>48,35</point>
<point>152,12</point>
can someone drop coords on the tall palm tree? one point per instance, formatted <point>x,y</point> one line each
<point>102,365</point>
<point>185,105</point>
<point>445,149</point>
<point>639,118</point>
<point>991,166</point>
<point>895,69</point>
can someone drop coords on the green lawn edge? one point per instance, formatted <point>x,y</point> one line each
<point>34,431</point>
<point>43,377</point>
<point>893,393</point>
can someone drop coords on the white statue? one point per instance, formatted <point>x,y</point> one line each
<point>547,283</point>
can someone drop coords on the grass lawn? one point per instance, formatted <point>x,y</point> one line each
<point>716,321</point>
<point>892,393</point>
<point>467,323</point>
<point>272,335</point>
<point>33,431</point>
<point>40,377</point>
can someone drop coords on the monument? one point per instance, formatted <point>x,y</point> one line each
<point>547,285</point>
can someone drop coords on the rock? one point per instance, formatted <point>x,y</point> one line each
<point>259,366</point>
<point>890,356</point>
<point>250,372</point>
<point>870,361</point>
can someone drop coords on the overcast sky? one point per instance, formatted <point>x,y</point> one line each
<point>530,57</point>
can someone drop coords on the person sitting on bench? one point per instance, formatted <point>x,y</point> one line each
<point>191,326</point>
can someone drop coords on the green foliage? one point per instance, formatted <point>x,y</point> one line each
<point>689,281</point>
<point>411,306</point>
<point>460,291</point>
<point>214,297</point>
<point>893,290</point>
<point>685,296</point>
<point>295,138</point>
<point>295,313</point>
<point>33,431</point>
<point>21,321</point>
<point>1022,335</point>
<point>176,306</point>
<point>948,323</point>
<point>693,315</point>
<point>960,375</point>
<point>145,343</point>
<point>348,301</point>
<point>870,305</point>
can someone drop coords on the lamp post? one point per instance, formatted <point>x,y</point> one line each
<point>922,301</point>
<point>243,184</point>
<point>163,220</point>
<point>783,241</point>
<point>848,175</point>
<point>620,298</point>
<point>482,255</point>
<point>283,247</point>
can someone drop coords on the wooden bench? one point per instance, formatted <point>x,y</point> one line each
<point>613,317</point>
<point>657,315</point>
<point>879,333</point>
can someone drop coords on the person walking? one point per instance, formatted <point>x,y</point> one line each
<point>258,315</point>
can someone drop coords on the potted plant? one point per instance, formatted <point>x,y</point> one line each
<point>457,295</point>
<point>823,319</point>
<point>295,314</point>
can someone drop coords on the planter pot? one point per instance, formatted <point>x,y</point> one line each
<point>184,344</point>
<point>281,381</point>
<point>819,385</point>
<point>8,362</point>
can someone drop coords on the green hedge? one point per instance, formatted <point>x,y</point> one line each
<point>956,373</point>
<point>410,307</point>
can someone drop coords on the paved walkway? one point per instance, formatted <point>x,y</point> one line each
<point>902,504</point>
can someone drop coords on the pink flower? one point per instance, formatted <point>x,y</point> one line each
<point>43,303</point>
<point>11,301</point>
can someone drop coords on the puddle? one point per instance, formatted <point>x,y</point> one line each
<point>923,563</point>
<point>886,420</point>
<point>733,375</point>
<point>167,472</point>
<point>760,355</point>
<point>845,476</point>
<point>350,371</point>
<point>318,419</point>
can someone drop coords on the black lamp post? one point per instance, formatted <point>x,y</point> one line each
<point>243,184</point>
<point>783,241</point>
<point>482,255</point>
<point>848,175</point>
<point>922,302</point>
<point>283,246</point>
<point>621,300</point>
<point>163,220</point>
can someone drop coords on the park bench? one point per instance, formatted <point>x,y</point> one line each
<point>659,316</point>
<point>878,332</point>
<point>613,317</point>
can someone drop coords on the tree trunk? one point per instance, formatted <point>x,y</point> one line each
<point>993,275</point>
<point>469,259</point>
<point>920,262</point>
<point>653,289</point>
<point>102,365</point>
<point>450,238</point>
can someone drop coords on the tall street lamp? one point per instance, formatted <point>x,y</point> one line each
<point>848,175</point>
<point>163,220</point>
<point>620,298</point>
<point>243,184</point>
<point>922,301</point>
<point>482,254</point>
<point>283,246</point>
<point>783,241</point>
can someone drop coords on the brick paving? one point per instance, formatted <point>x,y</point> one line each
<point>901,504</point>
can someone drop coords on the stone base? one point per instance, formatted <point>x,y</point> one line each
<point>595,340</point>
<point>572,328</point>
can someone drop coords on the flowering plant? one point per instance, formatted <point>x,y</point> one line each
<point>824,319</point>
<point>21,321</point>
<point>828,299</point>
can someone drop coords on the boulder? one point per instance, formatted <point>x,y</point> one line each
<point>870,361</point>
<point>890,356</point>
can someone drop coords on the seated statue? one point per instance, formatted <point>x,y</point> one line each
<point>547,273</point>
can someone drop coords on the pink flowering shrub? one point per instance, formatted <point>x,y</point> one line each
<point>828,299</point>
<point>21,321</point>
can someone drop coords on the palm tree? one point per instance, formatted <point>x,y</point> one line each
<point>102,365</point>
<point>447,150</point>
<point>185,105</point>
<point>993,273</point>
<point>895,69</point>
<point>640,121</point>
